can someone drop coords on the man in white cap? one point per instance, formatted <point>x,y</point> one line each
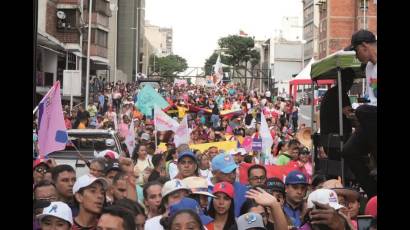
<point>89,193</point>
<point>56,216</point>
<point>172,192</point>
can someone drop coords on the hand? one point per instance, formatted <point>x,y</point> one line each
<point>326,215</point>
<point>262,197</point>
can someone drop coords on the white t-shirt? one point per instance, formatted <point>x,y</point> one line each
<point>207,174</point>
<point>154,223</point>
<point>371,83</point>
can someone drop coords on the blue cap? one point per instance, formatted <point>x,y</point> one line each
<point>296,177</point>
<point>186,153</point>
<point>224,162</point>
<point>191,204</point>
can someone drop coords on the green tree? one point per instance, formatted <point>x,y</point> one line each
<point>239,49</point>
<point>168,66</point>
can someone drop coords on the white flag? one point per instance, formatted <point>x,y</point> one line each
<point>163,122</point>
<point>264,131</point>
<point>182,133</point>
<point>218,71</point>
<point>130,139</point>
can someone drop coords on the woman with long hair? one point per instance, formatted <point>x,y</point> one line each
<point>222,207</point>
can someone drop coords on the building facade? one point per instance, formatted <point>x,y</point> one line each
<point>310,30</point>
<point>339,19</point>
<point>62,40</point>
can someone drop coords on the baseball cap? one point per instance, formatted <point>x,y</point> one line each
<point>371,207</point>
<point>198,185</point>
<point>186,153</point>
<point>359,37</point>
<point>57,209</point>
<point>324,196</point>
<point>108,154</point>
<point>86,180</point>
<point>172,186</point>
<point>337,186</point>
<point>113,165</point>
<point>224,187</point>
<point>296,177</point>
<point>275,184</point>
<point>191,204</point>
<point>223,162</point>
<point>38,162</point>
<point>250,220</point>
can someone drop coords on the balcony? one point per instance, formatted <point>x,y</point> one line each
<point>97,19</point>
<point>96,50</point>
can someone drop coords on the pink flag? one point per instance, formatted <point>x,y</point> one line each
<point>182,133</point>
<point>163,122</point>
<point>130,139</point>
<point>52,133</point>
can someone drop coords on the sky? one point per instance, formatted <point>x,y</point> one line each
<point>198,24</point>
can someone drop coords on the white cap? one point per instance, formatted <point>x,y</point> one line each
<point>198,185</point>
<point>242,151</point>
<point>324,196</point>
<point>86,180</point>
<point>57,209</point>
<point>172,186</point>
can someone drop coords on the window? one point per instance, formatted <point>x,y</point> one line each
<point>99,37</point>
<point>70,21</point>
<point>362,4</point>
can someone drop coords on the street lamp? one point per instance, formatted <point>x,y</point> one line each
<point>114,8</point>
<point>87,80</point>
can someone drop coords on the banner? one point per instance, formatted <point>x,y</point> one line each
<point>279,171</point>
<point>179,82</point>
<point>163,122</point>
<point>147,98</point>
<point>257,144</point>
<point>52,132</point>
<point>182,133</point>
<point>224,145</point>
<point>218,71</point>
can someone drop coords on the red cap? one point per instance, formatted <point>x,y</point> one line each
<point>224,187</point>
<point>38,162</point>
<point>371,207</point>
<point>110,155</point>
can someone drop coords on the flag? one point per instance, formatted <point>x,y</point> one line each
<point>147,98</point>
<point>182,132</point>
<point>267,140</point>
<point>218,71</point>
<point>163,122</point>
<point>52,133</point>
<point>130,139</point>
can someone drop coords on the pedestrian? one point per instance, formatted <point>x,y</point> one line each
<point>56,216</point>
<point>185,219</point>
<point>187,165</point>
<point>364,139</point>
<point>296,188</point>
<point>172,192</point>
<point>152,198</point>
<point>64,177</point>
<point>257,176</point>
<point>40,167</point>
<point>199,191</point>
<point>222,207</point>
<point>116,217</point>
<point>89,194</point>
<point>97,167</point>
<point>224,169</point>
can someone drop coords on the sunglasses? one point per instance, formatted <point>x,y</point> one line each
<point>41,170</point>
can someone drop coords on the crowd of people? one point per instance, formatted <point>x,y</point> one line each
<point>179,187</point>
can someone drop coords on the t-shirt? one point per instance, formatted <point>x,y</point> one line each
<point>239,199</point>
<point>329,112</point>
<point>181,111</point>
<point>154,223</point>
<point>371,82</point>
<point>76,226</point>
<point>293,214</point>
<point>283,160</point>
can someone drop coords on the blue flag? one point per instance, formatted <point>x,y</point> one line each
<point>147,98</point>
